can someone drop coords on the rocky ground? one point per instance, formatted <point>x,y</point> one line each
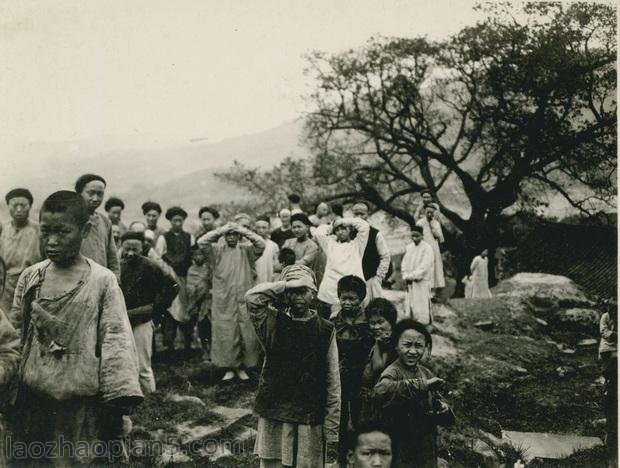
<point>519,361</point>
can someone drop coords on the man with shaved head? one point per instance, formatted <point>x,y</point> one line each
<point>19,242</point>
<point>281,234</point>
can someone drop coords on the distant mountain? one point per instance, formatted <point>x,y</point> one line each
<point>137,170</point>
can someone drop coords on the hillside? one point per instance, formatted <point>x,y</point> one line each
<point>140,168</point>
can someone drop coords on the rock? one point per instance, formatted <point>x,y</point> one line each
<point>545,445</point>
<point>584,318</point>
<point>486,452</point>
<point>176,398</point>
<point>443,347</point>
<point>484,325</point>
<point>544,291</point>
<point>521,370</point>
<point>587,343</point>
<point>171,454</point>
<point>563,371</point>
<point>541,321</point>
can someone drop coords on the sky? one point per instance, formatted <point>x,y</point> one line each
<point>167,71</point>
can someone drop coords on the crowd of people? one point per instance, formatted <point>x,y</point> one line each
<point>340,376</point>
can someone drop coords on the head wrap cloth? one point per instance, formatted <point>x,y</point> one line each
<point>300,272</point>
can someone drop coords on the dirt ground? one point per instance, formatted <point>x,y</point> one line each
<point>512,376</point>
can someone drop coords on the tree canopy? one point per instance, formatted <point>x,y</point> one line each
<point>521,104</point>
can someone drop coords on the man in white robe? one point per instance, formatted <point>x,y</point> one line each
<point>480,276</point>
<point>417,271</point>
<point>267,263</point>
<point>433,236</point>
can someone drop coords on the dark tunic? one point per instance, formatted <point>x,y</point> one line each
<point>412,413</point>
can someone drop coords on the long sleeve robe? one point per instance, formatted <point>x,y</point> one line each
<point>417,266</point>
<point>298,444</point>
<point>433,236</point>
<point>479,287</point>
<point>343,258</point>
<point>99,244</point>
<point>79,366</point>
<point>234,273</point>
<point>267,263</point>
<point>19,248</point>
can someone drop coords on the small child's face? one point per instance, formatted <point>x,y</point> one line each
<point>342,233</point>
<point>411,347</point>
<point>198,257</point>
<point>349,301</point>
<point>381,328</point>
<point>61,236</point>
<point>299,299</point>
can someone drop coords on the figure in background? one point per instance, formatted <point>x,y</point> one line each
<point>234,346</point>
<point>295,203</point>
<point>344,257</point>
<point>148,292</point>
<point>376,259</point>
<point>174,247</point>
<point>322,215</point>
<point>284,232</point>
<point>152,212</point>
<point>354,342</point>
<point>99,244</point>
<point>79,365</point>
<point>267,264</point>
<point>417,271</point>
<point>408,395</point>
<point>208,216</point>
<point>370,445</point>
<point>479,278</point>
<point>114,208</point>
<point>199,298</point>
<point>116,235</point>
<point>433,236</point>
<point>19,242</point>
<point>298,399</point>
<point>9,362</point>
<point>286,257</point>
<point>426,200</point>
<point>608,353</point>
<point>305,248</point>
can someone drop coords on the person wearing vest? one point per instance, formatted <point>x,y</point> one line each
<point>174,247</point>
<point>376,260</point>
<point>298,399</point>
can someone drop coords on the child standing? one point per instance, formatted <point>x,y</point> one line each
<point>78,373</point>
<point>381,315</point>
<point>198,286</point>
<point>407,393</point>
<point>298,400</point>
<point>354,342</point>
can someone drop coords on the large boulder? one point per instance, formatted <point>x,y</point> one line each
<point>544,291</point>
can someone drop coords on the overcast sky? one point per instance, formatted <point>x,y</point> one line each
<point>180,69</point>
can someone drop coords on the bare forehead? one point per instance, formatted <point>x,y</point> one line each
<point>19,201</point>
<point>412,335</point>
<point>95,185</point>
<point>61,218</point>
<point>374,439</point>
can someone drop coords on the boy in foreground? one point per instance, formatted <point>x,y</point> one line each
<point>298,400</point>
<point>78,373</point>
